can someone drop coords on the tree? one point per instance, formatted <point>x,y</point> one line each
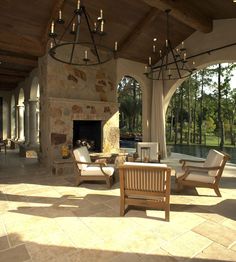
<point>129,97</point>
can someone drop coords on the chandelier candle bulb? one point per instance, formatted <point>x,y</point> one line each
<point>185,55</point>
<point>116,46</point>
<point>86,54</point>
<point>78,5</point>
<point>166,43</point>
<point>73,27</point>
<point>95,26</point>
<point>52,27</point>
<point>154,49</point>
<point>149,60</point>
<point>60,15</point>
<point>102,26</point>
<point>160,53</point>
<point>101,14</point>
<point>146,69</point>
<point>51,45</point>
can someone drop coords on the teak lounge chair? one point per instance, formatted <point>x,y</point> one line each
<point>203,173</point>
<point>87,170</point>
<point>145,184</point>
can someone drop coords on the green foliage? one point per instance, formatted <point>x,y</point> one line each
<point>130,99</point>
<point>203,108</point>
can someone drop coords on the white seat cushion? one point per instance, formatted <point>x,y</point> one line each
<point>82,155</point>
<point>199,177</point>
<point>144,164</point>
<point>96,171</point>
<point>214,159</point>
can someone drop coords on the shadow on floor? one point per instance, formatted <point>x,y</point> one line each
<point>29,249</point>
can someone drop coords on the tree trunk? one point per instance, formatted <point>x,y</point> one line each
<point>220,121</point>
<point>181,115</point>
<point>189,116</point>
<point>176,119</point>
<point>201,109</point>
<point>194,116</point>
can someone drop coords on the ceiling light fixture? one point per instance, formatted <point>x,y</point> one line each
<point>173,63</point>
<point>76,52</point>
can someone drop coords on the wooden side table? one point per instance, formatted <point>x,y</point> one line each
<point>60,164</point>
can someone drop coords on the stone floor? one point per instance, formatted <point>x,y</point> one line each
<point>47,218</point>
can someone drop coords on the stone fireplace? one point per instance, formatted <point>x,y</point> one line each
<point>70,94</point>
<point>66,114</point>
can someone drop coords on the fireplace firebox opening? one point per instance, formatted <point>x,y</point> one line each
<point>89,133</point>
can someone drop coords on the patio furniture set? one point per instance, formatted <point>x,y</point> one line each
<point>144,181</point>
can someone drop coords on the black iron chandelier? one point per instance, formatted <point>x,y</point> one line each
<point>173,63</point>
<point>76,52</point>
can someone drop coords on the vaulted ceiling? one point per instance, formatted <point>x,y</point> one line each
<point>24,27</point>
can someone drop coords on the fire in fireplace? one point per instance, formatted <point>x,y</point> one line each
<point>88,133</point>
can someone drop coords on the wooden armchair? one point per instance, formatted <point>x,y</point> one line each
<point>145,184</point>
<point>203,173</point>
<point>91,171</point>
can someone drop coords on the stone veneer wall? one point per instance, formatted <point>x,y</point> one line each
<point>63,111</point>
<point>76,93</point>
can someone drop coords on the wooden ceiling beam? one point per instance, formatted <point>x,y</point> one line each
<point>12,72</point>
<point>10,79</point>
<point>136,30</point>
<point>18,60</point>
<point>184,12</point>
<point>7,86</point>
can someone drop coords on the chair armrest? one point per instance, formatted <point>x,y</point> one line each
<point>188,160</point>
<point>91,163</point>
<point>201,169</point>
<point>184,161</point>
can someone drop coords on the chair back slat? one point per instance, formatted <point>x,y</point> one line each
<point>147,179</point>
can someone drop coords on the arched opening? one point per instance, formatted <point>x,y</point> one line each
<point>13,117</point>
<point>20,115</point>
<point>130,121</point>
<point>201,113</point>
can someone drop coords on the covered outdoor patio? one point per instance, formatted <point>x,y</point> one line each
<point>48,219</point>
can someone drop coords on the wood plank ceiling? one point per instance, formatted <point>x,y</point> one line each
<point>24,27</point>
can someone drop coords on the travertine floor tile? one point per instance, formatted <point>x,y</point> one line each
<point>16,254</point>
<point>46,218</point>
<point>216,252</point>
<point>4,243</point>
<point>216,232</point>
<point>186,245</point>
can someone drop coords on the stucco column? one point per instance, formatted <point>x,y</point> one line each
<point>32,122</point>
<point>26,119</point>
<point>158,133</point>
<point>20,114</point>
<point>15,119</point>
